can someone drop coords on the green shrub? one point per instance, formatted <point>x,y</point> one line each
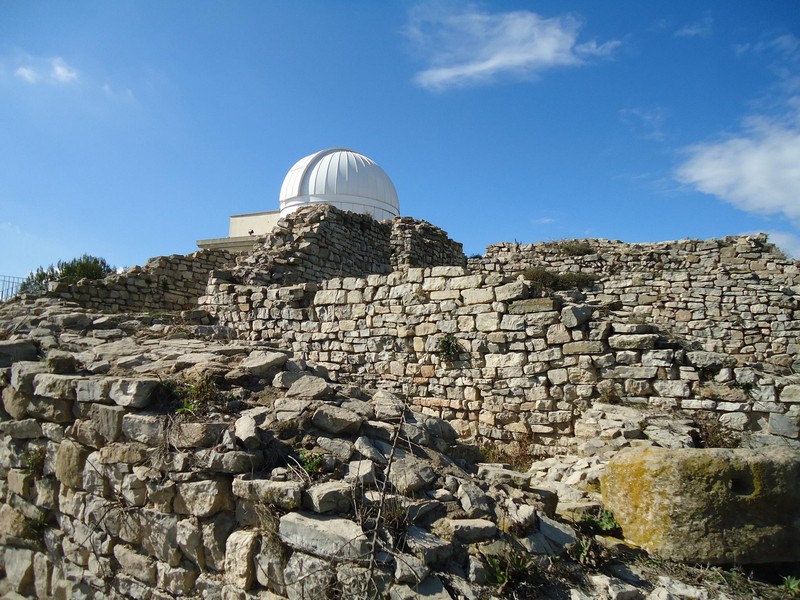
<point>448,347</point>
<point>86,266</point>
<point>791,585</point>
<point>574,248</point>
<point>546,280</point>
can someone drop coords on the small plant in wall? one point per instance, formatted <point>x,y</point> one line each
<point>448,347</point>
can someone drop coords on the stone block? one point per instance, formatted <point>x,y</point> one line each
<point>534,305</point>
<point>203,498</point>
<point>12,351</point>
<point>15,403</point>
<point>19,569</point>
<point>471,531</point>
<point>108,421</point>
<point>145,429</point>
<point>70,460</point>
<point>53,410</point>
<point>518,290</point>
<point>512,359</point>
<point>284,494</point>
<point>23,373</point>
<point>59,387</point>
<point>584,347</point>
<point>784,425</point>
<point>334,419</point>
<point>645,341</point>
<point>714,506</point>
<point>310,386</point>
<point>240,549</point>
<point>575,316</point>
<point>133,393</point>
<point>325,537</point>
<point>329,497</point>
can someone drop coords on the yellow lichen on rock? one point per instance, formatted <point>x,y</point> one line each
<point>712,506</point>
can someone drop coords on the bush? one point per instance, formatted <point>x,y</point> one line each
<point>574,248</point>
<point>86,266</point>
<point>547,280</point>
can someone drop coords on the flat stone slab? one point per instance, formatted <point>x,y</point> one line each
<point>326,537</point>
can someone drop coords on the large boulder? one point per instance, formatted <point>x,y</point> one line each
<point>714,506</point>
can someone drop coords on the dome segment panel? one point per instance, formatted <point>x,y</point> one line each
<point>343,178</point>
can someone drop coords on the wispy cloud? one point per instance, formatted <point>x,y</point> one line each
<point>648,123</point>
<point>51,70</point>
<point>469,46</point>
<point>702,28</point>
<point>27,74</point>
<point>62,72</point>
<point>543,221</point>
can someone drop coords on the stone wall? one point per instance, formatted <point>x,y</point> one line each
<point>736,295</point>
<point>524,368</point>
<point>168,283</point>
<point>320,242</point>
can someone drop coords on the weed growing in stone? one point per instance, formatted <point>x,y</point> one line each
<point>448,347</point>
<point>791,585</point>
<point>195,396</point>
<point>507,568</point>
<point>600,521</point>
<point>311,463</point>
<point>715,434</point>
<point>574,247</point>
<point>34,461</point>
<point>543,280</point>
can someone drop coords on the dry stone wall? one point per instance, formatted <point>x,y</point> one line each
<point>165,283</point>
<point>736,295</point>
<point>484,352</point>
<point>320,242</point>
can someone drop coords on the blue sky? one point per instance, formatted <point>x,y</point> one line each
<point>132,129</point>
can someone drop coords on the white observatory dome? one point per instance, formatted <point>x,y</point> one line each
<point>343,178</point>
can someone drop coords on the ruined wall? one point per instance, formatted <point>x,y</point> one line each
<point>320,242</point>
<point>735,295</point>
<point>527,365</point>
<point>170,283</point>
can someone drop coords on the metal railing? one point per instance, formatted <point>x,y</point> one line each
<point>9,286</point>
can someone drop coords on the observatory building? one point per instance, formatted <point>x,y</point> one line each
<point>340,177</point>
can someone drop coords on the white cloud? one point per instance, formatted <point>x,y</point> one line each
<point>646,122</point>
<point>61,72</point>
<point>543,221</point>
<point>701,28</point>
<point>473,47</point>
<point>27,74</point>
<point>757,171</point>
<point>36,70</point>
<point>788,242</point>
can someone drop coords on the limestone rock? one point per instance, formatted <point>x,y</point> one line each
<point>246,432</point>
<point>331,496</point>
<point>337,420</point>
<point>70,460</point>
<point>12,351</point>
<point>19,569</point>
<point>261,362</point>
<point>326,537</point>
<point>203,498</point>
<point>310,386</point>
<point>133,393</point>
<point>284,494</point>
<point>307,577</point>
<point>714,506</point>
<point>239,550</point>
